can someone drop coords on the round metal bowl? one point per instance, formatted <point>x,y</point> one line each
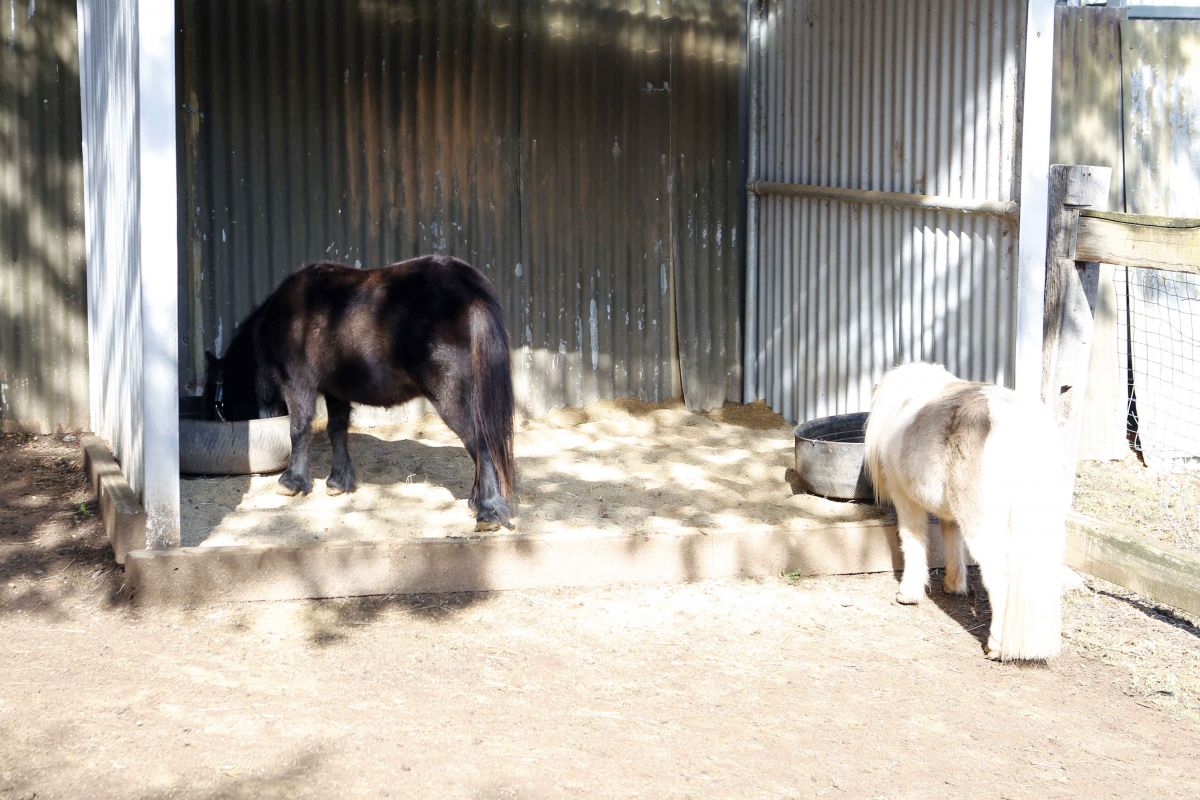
<point>247,447</point>
<point>830,457</point>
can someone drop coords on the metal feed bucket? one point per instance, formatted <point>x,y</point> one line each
<point>830,457</point>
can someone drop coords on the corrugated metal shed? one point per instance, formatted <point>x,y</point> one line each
<point>919,97</point>
<point>586,155</point>
<point>43,346</point>
<point>708,48</point>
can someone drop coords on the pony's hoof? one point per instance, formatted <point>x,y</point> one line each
<point>334,487</point>
<point>957,588</point>
<point>487,525</point>
<point>290,486</point>
<point>991,650</point>
<point>907,598</point>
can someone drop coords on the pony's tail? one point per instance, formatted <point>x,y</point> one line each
<point>1032,560</point>
<point>492,391</point>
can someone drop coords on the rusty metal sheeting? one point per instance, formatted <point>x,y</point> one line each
<point>584,154</point>
<point>914,96</point>
<point>43,311</point>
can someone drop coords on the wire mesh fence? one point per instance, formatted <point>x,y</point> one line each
<point>1158,344</point>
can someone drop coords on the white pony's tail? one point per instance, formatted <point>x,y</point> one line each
<point>1023,471</point>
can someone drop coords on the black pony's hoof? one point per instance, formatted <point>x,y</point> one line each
<point>291,484</point>
<point>339,484</point>
<point>493,516</point>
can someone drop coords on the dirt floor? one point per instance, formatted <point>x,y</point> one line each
<point>613,467</point>
<point>1163,507</point>
<point>740,689</point>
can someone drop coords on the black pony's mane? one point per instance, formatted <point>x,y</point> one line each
<point>248,392</point>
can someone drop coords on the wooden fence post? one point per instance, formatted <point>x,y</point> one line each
<point>1070,304</point>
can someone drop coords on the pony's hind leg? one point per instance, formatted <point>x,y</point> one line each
<point>341,474</point>
<point>913,527</point>
<point>301,407</point>
<point>491,511</point>
<point>956,559</point>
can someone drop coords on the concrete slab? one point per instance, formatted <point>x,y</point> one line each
<point>124,518</point>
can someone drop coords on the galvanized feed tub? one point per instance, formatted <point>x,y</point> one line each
<point>829,457</point>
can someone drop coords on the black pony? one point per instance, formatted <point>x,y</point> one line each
<point>428,327</point>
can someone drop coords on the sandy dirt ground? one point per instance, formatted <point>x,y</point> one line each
<point>614,467</point>
<point>821,688</point>
<point>1162,507</point>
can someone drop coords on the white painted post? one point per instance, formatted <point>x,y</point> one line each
<point>1035,169</point>
<point>159,256</point>
<point>750,359</point>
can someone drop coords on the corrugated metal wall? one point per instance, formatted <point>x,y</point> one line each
<point>596,184</point>
<point>1087,127</point>
<point>708,49</point>
<point>108,56</point>
<point>43,346</point>
<point>584,154</point>
<point>914,96</point>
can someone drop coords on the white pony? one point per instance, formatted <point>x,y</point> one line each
<point>989,464</point>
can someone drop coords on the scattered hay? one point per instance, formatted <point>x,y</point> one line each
<point>1163,507</point>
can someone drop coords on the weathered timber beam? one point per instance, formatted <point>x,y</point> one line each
<point>1118,555</point>
<point>1133,240</point>
<point>963,205</point>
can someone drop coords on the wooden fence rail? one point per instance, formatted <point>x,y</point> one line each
<point>1133,240</point>
<point>1081,237</point>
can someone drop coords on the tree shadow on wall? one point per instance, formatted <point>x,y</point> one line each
<point>43,304</point>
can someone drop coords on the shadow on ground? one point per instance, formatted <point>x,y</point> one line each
<point>53,548</point>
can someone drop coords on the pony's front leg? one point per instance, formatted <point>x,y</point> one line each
<point>993,569</point>
<point>913,527</point>
<point>341,475</point>
<point>301,407</point>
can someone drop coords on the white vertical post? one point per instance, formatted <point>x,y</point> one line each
<point>159,257</point>
<point>750,361</point>
<point>1035,170</point>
